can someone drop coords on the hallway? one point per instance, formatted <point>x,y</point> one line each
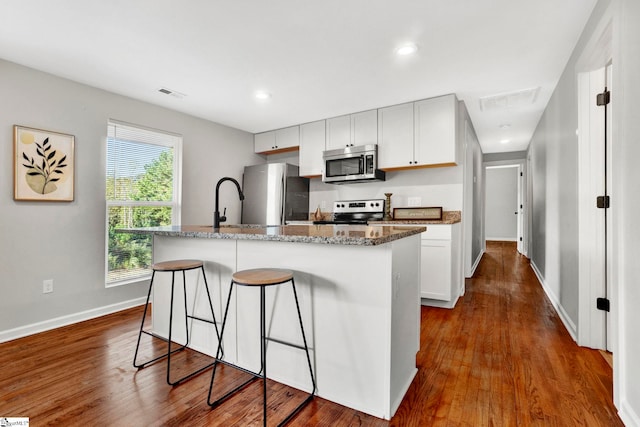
<point>502,357</point>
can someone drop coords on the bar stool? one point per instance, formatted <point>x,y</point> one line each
<point>262,278</point>
<point>173,267</point>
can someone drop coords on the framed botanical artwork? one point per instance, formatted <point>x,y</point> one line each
<point>43,165</point>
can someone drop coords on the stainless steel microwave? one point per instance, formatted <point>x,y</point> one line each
<point>352,164</point>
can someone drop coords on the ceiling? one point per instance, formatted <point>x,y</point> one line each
<point>317,59</point>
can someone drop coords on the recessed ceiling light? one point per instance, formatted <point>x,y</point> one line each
<point>406,49</point>
<point>505,141</point>
<point>505,126</point>
<point>262,95</point>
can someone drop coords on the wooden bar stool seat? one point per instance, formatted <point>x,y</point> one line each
<point>173,267</point>
<point>261,278</point>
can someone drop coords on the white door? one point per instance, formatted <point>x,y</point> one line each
<point>502,203</point>
<point>594,328</point>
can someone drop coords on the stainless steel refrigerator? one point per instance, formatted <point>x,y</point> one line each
<point>274,194</point>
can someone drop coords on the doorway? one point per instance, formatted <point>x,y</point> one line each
<point>504,203</point>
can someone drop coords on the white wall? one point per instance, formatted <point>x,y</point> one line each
<point>474,194</point>
<point>554,171</point>
<point>65,241</point>
<point>501,202</point>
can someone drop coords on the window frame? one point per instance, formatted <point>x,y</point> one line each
<point>169,139</point>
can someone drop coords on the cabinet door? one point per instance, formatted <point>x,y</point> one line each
<point>264,142</point>
<point>338,132</point>
<point>312,137</point>
<point>435,131</point>
<point>435,269</point>
<point>395,136</point>
<point>364,128</point>
<point>288,137</point>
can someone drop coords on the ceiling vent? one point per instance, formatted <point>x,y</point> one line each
<point>509,100</point>
<point>171,92</point>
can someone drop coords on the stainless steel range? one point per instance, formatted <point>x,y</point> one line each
<point>356,211</point>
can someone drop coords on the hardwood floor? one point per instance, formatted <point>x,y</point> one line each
<point>500,358</point>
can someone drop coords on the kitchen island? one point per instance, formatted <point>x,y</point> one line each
<point>359,292</point>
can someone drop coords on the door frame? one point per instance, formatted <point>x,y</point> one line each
<point>591,77</point>
<point>523,211</point>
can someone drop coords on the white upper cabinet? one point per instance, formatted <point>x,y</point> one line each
<point>263,142</point>
<point>395,136</point>
<point>352,129</point>
<point>418,134</point>
<point>364,127</point>
<point>286,139</point>
<point>436,121</point>
<point>338,132</point>
<point>312,144</point>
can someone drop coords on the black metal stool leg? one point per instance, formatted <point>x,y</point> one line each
<point>144,316</point>
<point>306,349</point>
<point>213,315</point>
<point>263,355</point>
<point>173,274</point>
<point>186,313</point>
<point>218,360</point>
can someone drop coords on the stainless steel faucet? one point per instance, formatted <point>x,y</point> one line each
<point>217,219</point>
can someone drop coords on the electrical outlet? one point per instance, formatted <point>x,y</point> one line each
<point>323,205</point>
<point>47,286</point>
<point>414,201</point>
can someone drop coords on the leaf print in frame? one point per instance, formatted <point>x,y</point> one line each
<point>43,165</point>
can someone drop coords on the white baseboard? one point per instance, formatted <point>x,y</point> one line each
<point>69,319</point>
<point>501,239</point>
<point>566,320</point>
<point>438,303</point>
<point>476,263</point>
<point>628,416</point>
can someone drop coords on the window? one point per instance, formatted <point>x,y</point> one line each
<point>143,190</point>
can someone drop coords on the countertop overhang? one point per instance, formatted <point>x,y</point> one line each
<point>359,235</point>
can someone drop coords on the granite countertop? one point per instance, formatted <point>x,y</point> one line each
<point>360,235</point>
<point>448,217</point>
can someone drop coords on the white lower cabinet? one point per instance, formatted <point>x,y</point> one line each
<point>441,281</point>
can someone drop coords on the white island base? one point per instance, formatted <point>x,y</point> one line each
<point>360,308</point>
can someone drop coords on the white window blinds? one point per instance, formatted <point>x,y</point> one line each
<point>142,190</point>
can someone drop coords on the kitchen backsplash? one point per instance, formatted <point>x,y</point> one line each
<point>416,187</point>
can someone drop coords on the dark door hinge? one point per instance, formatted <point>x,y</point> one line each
<point>521,174</point>
<point>603,304</point>
<point>603,98</point>
<point>603,202</point>
<point>521,239</point>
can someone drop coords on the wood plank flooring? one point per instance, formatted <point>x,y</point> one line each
<point>500,358</point>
